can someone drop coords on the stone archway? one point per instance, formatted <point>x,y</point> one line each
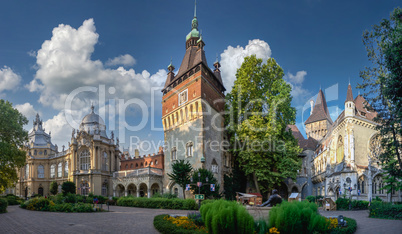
<point>331,194</point>
<point>132,190</point>
<point>295,189</point>
<point>143,188</point>
<point>283,191</point>
<point>155,188</point>
<point>120,190</point>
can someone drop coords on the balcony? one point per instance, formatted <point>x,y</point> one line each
<point>138,172</point>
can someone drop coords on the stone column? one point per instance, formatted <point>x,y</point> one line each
<point>138,192</point>
<point>370,181</point>
<point>114,192</point>
<point>125,192</point>
<point>149,193</point>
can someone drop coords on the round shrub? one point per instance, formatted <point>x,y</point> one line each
<point>297,217</point>
<point>68,187</point>
<point>3,205</point>
<point>226,217</point>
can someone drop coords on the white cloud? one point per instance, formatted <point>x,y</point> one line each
<point>32,53</point>
<point>59,128</point>
<point>125,60</point>
<point>64,64</point>
<point>27,110</point>
<point>300,95</point>
<point>8,79</point>
<point>233,57</point>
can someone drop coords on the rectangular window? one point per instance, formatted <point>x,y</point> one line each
<point>183,97</point>
<point>66,169</point>
<point>190,150</point>
<point>174,155</point>
<point>59,170</point>
<point>52,170</point>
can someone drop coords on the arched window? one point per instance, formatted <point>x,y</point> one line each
<point>186,113</point>
<point>142,164</point>
<point>52,171</point>
<point>136,165</point>
<point>146,163</point>
<point>35,152</point>
<point>339,150</point>
<point>45,152</point>
<point>176,191</point>
<point>41,171</point>
<point>174,153</point>
<point>181,116</point>
<point>59,169</point>
<point>189,149</point>
<point>26,171</point>
<point>85,160</point>
<point>104,162</point>
<point>126,166</point>
<point>196,109</point>
<point>66,169</point>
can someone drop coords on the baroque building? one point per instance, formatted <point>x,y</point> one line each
<point>192,106</point>
<point>344,159</point>
<point>89,161</point>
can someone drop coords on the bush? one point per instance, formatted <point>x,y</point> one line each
<point>297,217</point>
<point>38,204</point>
<point>159,203</point>
<point>169,195</point>
<point>48,204</point>
<point>385,210</point>
<point>13,200</point>
<point>3,205</point>
<point>196,218</point>
<point>351,228</point>
<point>226,217</point>
<point>164,226</point>
<point>260,226</point>
<point>343,204</point>
<point>68,187</point>
<point>310,198</point>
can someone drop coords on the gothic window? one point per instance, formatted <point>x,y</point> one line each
<point>59,169</point>
<point>66,169</point>
<point>85,160</point>
<point>104,162</point>
<point>35,152</point>
<point>146,163</point>
<point>214,168</point>
<point>126,166</point>
<point>174,154</point>
<point>45,153</point>
<point>131,165</point>
<point>52,171</point>
<point>339,150</point>
<point>189,149</point>
<point>41,171</point>
<point>183,97</point>
<point>26,171</point>
<point>176,191</point>
<point>136,165</point>
<point>156,162</point>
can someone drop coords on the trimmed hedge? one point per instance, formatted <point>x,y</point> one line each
<point>158,203</point>
<point>167,227</point>
<point>343,204</point>
<point>385,210</point>
<point>46,204</point>
<point>351,228</point>
<point>224,216</point>
<point>3,205</point>
<point>13,200</point>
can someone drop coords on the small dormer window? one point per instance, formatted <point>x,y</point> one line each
<point>363,114</point>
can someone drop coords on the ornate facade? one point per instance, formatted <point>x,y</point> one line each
<point>344,162</point>
<point>89,161</point>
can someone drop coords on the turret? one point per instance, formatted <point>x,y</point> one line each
<point>349,103</point>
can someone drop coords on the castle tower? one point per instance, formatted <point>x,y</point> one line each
<point>349,103</point>
<point>192,103</point>
<point>319,121</point>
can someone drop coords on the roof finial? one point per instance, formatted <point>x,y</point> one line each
<point>349,80</point>
<point>195,9</point>
<point>92,107</point>
<point>216,58</point>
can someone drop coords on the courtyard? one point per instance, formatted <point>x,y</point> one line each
<point>140,220</point>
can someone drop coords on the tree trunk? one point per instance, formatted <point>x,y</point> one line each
<point>184,193</point>
<point>396,144</point>
<point>256,183</point>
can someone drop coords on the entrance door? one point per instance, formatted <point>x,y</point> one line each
<point>40,191</point>
<point>26,192</point>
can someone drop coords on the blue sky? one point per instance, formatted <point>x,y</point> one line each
<point>318,44</point>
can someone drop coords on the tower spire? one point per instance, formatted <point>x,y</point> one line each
<point>195,9</point>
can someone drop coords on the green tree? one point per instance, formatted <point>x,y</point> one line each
<point>381,84</point>
<point>68,187</point>
<point>12,138</point>
<point>234,182</point>
<point>181,174</point>
<point>258,110</point>
<point>205,188</point>
<point>53,187</point>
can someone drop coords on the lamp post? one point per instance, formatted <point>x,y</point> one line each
<point>199,184</point>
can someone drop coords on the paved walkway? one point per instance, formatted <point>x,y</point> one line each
<point>140,220</point>
<point>120,220</point>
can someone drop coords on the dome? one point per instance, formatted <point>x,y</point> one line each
<point>92,123</point>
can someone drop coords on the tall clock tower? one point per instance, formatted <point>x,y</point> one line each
<point>192,107</point>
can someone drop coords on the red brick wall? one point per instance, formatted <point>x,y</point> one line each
<point>135,163</point>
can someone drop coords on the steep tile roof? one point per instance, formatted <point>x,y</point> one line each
<point>320,110</point>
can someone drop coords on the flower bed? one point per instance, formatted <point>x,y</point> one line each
<point>158,203</point>
<point>167,224</point>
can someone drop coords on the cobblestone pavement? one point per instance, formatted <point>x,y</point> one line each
<point>120,220</point>
<point>369,225</point>
<point>140,220</point>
